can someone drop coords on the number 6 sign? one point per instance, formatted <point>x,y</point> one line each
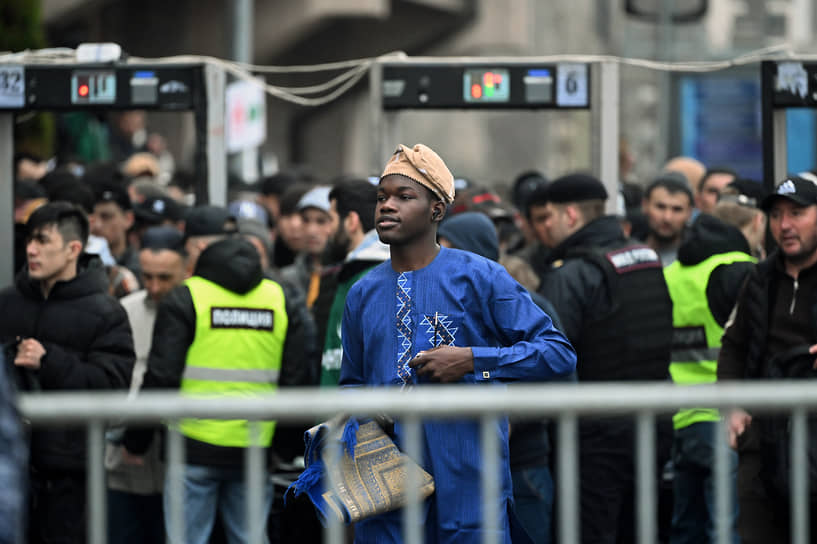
<point>571,85</point>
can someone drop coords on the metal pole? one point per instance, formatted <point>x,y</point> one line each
<point>799,478</point>
<point>568,478</point>
<point>490,481</point>
<point>605,109</point>
<point>646,477</point>
<point>723,486</point>
<point>412,513</point>
<point>97,512</point>
<point>215,79</point>
<point>175,486</point>
<point>7,197</point>
<point>775,151</point>
<point>256,481</point>
<point>245,162</point>
<point>242,35</point>
<point>781,150</point>
<point>664,48</point>
<point>333,532</point>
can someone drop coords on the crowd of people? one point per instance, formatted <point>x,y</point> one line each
<point>408,278</point>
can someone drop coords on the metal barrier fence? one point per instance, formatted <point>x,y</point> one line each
<point>562,402</point>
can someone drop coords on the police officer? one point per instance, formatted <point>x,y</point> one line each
<point>615,309</point>
<point>226,331</point>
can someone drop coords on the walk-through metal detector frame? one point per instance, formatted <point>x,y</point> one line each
<point>161,87</point>
<point>428,83</point>
<point>796,88</point>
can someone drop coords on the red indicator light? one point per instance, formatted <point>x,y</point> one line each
<point>476,91</point>
<point>488,79</point>
<point>83,90</point>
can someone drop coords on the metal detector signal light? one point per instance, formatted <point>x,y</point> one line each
<point>491,85</point>
<point>93,87</point>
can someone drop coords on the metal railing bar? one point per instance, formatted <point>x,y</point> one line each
<point>490,479</point>
<point>568,479</point>
<point>307,404</point>
<point>567,402</point>
<point>333,533</point>
<point>412,514</point>
<point>799,477</point>
<point>723,485</point>
<point>97,502</point>
<point>256,481</point>
<point>646,478</point>
<point>175,486</point>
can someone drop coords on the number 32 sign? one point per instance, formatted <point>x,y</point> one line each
<point>571,85</point>
<point>12,87</point>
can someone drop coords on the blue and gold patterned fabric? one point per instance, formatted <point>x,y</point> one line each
<point>355,474</point>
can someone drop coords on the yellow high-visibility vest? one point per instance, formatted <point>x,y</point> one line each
<point>236,352</point>
<point>697,336</point>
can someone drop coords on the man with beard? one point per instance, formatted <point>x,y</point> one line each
<point>352,204</point>
<point>773,323</point>
<point>667,206</point>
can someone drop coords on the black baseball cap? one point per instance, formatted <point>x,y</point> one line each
<point>209,221</point>
<point>158,238</point>
<point>799,190</point>
<point>524,186</point>
<point>155,210</point>
<point>113,192</point>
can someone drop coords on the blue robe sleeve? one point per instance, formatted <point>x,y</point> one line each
<point>532,349</point>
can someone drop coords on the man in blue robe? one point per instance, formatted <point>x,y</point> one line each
<point>438,315</point>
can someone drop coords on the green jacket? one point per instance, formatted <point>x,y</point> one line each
<point>366,256</point>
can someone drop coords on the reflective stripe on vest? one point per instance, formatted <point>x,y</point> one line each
<point>231,375</point>
<point>697,336</point>
<point>236,351</point>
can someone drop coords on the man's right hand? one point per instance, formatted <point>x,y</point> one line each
<point>131,459</point>
<point>813,351</point>
<point>736,423</point>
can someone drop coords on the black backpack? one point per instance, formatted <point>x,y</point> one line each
<point>776,430</point>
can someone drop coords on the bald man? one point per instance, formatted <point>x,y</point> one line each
<point>693,169</point>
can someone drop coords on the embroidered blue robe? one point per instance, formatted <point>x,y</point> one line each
<point>464,300</point>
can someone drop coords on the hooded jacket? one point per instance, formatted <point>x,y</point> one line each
<point>709,236</point>
<point>233,264</point>
<point>88,344</point>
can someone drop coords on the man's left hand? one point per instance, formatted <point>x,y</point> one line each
<point>444,364</point>
<point>813,351</point>
<point>29,354</point>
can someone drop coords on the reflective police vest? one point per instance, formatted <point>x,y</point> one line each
<point>236,352</point>
<point>696,339</point>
